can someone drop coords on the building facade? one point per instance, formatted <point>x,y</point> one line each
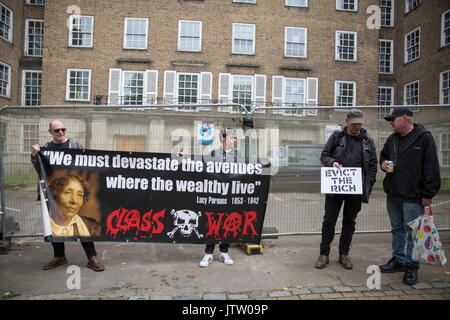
<point>340,53</point>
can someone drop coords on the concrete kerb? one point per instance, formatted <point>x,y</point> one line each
<point>147,271</point>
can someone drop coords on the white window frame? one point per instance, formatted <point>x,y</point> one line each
<point>337,84</point>
<point>245,1</point>
<point>441,148</point>
<point>8,81</point>
<point>22,137</point>
<point>443,29</point>
<point>340,5</point>
<point>125,35</point>
<point>337,45</point>
<point>233,49</point>
<point>384,108</point>
<point>24,86</point>
<point>35,2</point>
<point>391,56</point>
<point>252,90</point>
<point>288,4</point>
<point>410,5</point>
<point>409,34</point>
<point>441,86</point>
<point>71,31</point>
<point>178,86</point>
<point>200,23</point>
<point>9,37</point>
<point>27,39</point>
<point>296,112</point>
<point>405,91</point>
<point>388,10</point>
<point>124,73</point>
<point>305,30</point>
<point>68,85</point>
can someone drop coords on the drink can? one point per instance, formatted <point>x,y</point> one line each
<point>390,166</point>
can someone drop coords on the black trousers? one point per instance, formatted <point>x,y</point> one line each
<point>89,248</point>
<point>333,204</point>
<point>223,247</point>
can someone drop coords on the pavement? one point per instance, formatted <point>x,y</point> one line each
<point>163,271</point>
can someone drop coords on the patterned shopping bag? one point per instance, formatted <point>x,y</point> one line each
<point>427,247</point>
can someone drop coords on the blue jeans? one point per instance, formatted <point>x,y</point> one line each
<point>400,213</point>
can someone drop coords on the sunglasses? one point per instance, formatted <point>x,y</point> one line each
<point>61,129</point>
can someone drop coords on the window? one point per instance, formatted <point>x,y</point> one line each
<point>387,13</point>
<point>242,90</point>
<point>345,93</point>
<point>36,2</point>
<point>444,139</point>
<point>6,22</point>
<point>31,88</point>
<point>346,45</point>
<point>135,33</point>
<point>246,1</point>
<point>5,80</point>
<point>133,87</point>
<point>29,135</point>
<point>411,5</point>
<point>190,35</point>
<point>385,98</point>
<point>34,37</point>
<point>243,38</point>
<point>78,84</point>
<point>386,60</point>
<point>347,5</point>
<point>444,97</point>
<point>294,95</point>
<point>411,94</point>
<point>187,88</point>
<point>412,45</point>
<point>295,42</point>
<point>445,28</point>
<point>297,3</point>
<point>81,31</point>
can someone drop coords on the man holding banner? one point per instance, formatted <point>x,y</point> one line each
<point>226,153</point>
<point>58,131</point>
<point>351,147</point>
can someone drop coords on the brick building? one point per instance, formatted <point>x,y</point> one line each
<point>252,52</point>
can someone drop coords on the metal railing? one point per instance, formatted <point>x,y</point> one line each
<point>295,205</point>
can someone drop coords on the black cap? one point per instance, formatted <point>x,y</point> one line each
<point>397,112</point>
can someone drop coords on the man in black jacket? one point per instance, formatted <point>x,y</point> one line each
<point>414,181</point>
<point>351,147</point>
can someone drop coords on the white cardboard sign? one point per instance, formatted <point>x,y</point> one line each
<point>341,181</point>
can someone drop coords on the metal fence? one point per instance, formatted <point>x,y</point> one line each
<point>292,137</point>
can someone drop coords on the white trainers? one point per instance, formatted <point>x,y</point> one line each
<point>207,259</point>
<point>226,259</point>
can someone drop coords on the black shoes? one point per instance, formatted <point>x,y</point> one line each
<point>392,266</point>
<point>410,276</point>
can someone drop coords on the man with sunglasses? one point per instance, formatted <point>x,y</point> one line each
<point>58,131</point>
<point>411,181</point>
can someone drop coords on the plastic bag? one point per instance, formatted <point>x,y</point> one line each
<point>427,247</point>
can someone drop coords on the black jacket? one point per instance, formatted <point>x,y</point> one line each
<point>416,173</point>
<point>334,151</point>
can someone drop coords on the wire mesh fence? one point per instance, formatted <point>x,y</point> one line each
<point>293,137</point>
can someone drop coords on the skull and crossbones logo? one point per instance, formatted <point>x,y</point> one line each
<point>186,221</point>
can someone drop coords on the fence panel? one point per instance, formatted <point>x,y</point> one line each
<point>293,140</point>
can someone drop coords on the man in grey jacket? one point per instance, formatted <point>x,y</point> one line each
<point>351,147</point>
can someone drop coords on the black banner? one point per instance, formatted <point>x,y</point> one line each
<point>152,197</point>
